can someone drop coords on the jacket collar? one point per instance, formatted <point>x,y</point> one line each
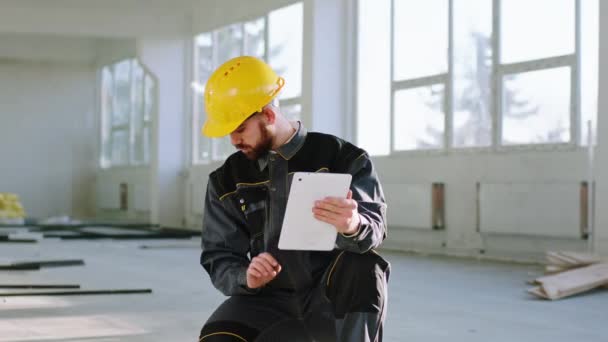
<point>289,149</point>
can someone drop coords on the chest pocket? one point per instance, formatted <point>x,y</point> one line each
<point>252,201</point>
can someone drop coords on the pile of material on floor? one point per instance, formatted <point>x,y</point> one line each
<point>11,210</point>
<point>30,289</point>
<point>570,273</point>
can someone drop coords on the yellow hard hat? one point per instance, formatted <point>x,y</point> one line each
<point>235,90</point>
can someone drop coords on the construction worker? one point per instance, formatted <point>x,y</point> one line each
<point>283,295</point>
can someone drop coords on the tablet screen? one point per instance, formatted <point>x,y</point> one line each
<point>301,230</point>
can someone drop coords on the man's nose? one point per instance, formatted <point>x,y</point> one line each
<point>234,139</point>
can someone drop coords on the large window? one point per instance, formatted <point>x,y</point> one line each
<point>128,94</point>
<point>475,73</point>
<point>276,38</point>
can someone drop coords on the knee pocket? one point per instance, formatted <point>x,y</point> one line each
<point>227,331</point>
<point>357,282</point>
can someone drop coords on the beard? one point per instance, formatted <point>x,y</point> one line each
<point>259,149</point>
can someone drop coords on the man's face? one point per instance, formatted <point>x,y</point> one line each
<point>252,137</point>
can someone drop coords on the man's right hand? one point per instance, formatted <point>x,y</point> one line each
<point>262,269</point>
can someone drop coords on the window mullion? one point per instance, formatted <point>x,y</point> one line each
<point>575,98</point>
<point>291,101</point>
<point>391,72</point>
<point>194,120</point>
<point>266,38</point>
<point>131,159</point>
<point>419,82</point>
<point>120,127</point>
<point>448,111</point>
<point>214,44</point>
<point>243,38</point>
<point>539,64</point>
<point>352,78</point>
<point>496,77</point>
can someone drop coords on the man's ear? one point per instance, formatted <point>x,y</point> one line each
<point>269,115</point>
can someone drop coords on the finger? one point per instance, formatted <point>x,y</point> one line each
<point>269,275</point>
<point>259,269</point>
<point>349,195</point>
<point>254,273</point>
<point>341,202</point>
<point>327,218</point>
<point>332,213</point>
<point>273,262</point>
<point>328,206</point>
<point>342,212</point>
<point>263,264</point>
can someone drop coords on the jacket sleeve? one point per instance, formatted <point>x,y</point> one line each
<point>225,244</point>
<point>367,191</point>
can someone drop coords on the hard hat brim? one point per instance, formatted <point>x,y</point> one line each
<point>212,130</point>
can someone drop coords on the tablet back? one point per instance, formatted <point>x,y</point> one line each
<point>301,230</point>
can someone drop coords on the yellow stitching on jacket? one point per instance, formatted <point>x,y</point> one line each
<point>362,154</point>
<point>319,170</point>
<point>241,184</point>
<point>333,266</point>
<point>222,333</point>
<point>264,182</point>
<point>228,194</point>
<point>251,184</point>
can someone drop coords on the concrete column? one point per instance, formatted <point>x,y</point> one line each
<point>166,60</point>
<point>324,67</point>
<point>601,166</point>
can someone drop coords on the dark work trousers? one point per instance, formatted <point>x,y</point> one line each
<point>348,305</point>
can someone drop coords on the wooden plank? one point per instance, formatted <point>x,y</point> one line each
<point>537,291</point>
<point>556,258</point>
<point>582,258</point>
<point>572,282</point>
<point>552,269</point>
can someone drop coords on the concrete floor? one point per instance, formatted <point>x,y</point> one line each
<point>431,298</point>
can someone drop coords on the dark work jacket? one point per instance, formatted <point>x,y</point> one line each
<point>245,205</point>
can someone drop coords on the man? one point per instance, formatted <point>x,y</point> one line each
<point>281,295</point>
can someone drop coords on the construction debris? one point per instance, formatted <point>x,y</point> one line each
<point>171,246</point>
<point>39,286</point>
<point>75,292</point>
<point>97,232</point>
<point>36,265</point>
<point>8,239</point>
<point>570,273</point>
<point>11,209</point>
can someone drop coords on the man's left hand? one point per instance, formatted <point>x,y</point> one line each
<point>340,212</point>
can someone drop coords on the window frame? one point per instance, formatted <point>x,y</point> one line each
<point>499,70</point>
<point>106,161</point>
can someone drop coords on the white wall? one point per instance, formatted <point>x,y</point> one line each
<point>460,172</point>
<point>109,51</point>
<point>109,18</point>
<point>48,156</point>
<point>108,196</point>
<point>47,48</point>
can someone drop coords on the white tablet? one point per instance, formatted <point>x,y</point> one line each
<point>301,230</point>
